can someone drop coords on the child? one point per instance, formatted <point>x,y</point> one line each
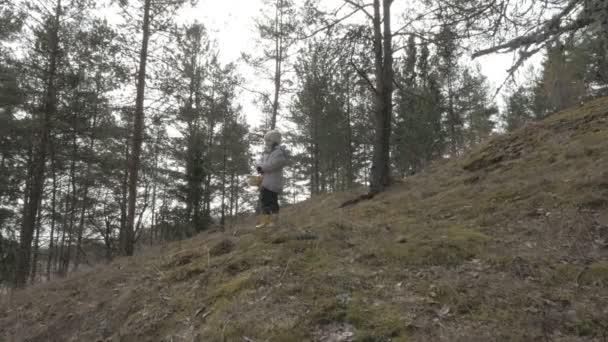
<point>270,166</point>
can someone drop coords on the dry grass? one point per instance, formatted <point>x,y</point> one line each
<point>508,243</point>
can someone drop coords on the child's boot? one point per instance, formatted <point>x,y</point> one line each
<point>264,221</point>
<point>273,221</point>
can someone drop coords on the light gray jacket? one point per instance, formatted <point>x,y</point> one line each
<point>272,164</point>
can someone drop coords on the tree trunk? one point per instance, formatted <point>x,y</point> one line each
<point>232,194</point>
<point>53,214</point>
<point>193,197</point>
<point>223,204</point>
<point>316,170</point>
<point>224,171</point>
<point>36,244</point>
<point>349,135</point>
<point>39,158</point>
<point>124,193</point>
<point>80,232</point>
<point>59,256</point>
<point>236,200</point>
<point>380,172</point>
<point>85,191</point>
<point>108,240</point>
<point>278,62</point>
<point>138,224</point>
<point>207,196</point>
<point>210,137</point>
<point>2,168</point>
<point>127,243</point>
<point>154,176</point>
<point>65,266</point>
<point>452,117</point>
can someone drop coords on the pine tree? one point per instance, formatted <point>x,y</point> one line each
<point>419,133</point>
<point>212,148</point>
<point>475,107</point>
<point>156,16</point>
<point>408,121</point>
<point>277,28</point>
<point>561,83</point>
<point>12,139</point>
<point>43,125</point>
<point>519,109</point>
<point>448,58</point>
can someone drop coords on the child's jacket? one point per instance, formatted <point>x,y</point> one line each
<point>272,164</point>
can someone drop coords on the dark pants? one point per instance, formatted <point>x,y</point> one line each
<point>270,201</point>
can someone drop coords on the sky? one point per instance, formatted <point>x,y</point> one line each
<point>232,24</point>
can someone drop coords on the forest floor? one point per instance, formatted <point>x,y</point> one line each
<point>508,243</point>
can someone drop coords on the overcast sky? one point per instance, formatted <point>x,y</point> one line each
<point>231,24</point>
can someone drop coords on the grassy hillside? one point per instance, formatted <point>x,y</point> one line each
<point>509,243</point>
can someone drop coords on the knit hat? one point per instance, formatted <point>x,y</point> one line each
<point>273,137</point>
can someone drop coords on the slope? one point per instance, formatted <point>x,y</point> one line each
<point>507,243</point>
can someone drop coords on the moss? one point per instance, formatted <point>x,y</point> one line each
<point>221,304</point>
<point>327,310</point>
<point>452,248</point>
<point>504,194</point>
<point>233,330</point>
<point>485,314</point>
<point>584,328</point>
<point>500,261</point>
<point>234,286</point>
<point>181,258</point>
<point>312,261</point>
<point>371,209</point>
<point>374,322</point>
<point>595,274</point>
<point>189,270</point>
<point>295,333</point>
<point>237,267</point>
<point>562,274</point>
<point>482,159</point>
<point>467,235</point>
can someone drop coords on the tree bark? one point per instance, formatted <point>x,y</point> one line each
<point>127,243</point>
<point>124,193</point>
<point>380,172</point>
<point>154,184</point>
<point>278,62</point>
<point>452,115</point>
<point>236,200</point>
<point>53,214</point>
<point>36,244</point>
<point>224,171</point>
<point>39,158</point>
<point>59,256</point>
<point>349,135</point>
<point>85,191</point>
<point>65,265</point>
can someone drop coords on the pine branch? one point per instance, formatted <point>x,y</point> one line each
<point>550,29</point>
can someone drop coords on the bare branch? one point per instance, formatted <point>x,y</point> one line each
<point>523,56</point>
<point>550,29</point>
<point>363,75</point>
<point>407,24</point>
<point>361,7</point>
<point>328,26</point>
<point>265,96</point>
